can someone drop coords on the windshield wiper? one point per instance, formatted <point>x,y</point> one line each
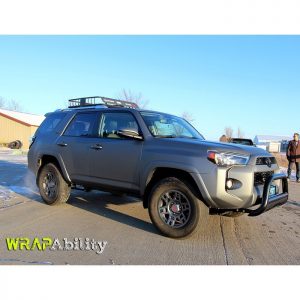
<point>176,136</point>
<point>166,136</point>
<point>186,137</point>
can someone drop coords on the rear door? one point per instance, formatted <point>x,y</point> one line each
<point>76,142</point>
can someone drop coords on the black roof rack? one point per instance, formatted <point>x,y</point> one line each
<point>98,100</point>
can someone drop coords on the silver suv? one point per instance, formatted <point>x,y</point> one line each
<point>111,145</point>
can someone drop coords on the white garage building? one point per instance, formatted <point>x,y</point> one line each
<point>272,143</point>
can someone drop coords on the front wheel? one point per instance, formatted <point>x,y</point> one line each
<point>53,188</point>
<point>174,208</point>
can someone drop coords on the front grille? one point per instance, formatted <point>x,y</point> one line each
<point>265,161</point>
<point>261,177</point>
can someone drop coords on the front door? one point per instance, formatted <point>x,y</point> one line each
<point>116,161</point>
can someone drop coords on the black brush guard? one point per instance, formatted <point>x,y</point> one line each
<point>269,202</point>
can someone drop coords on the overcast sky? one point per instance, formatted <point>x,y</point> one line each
<point>239,81</point>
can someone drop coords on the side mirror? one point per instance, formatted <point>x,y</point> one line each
<point>129,133</point>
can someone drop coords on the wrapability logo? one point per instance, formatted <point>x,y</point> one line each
<point>65,244</point>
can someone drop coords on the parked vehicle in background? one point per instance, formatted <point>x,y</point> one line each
<point>111,145</point>
<point>247,142</point>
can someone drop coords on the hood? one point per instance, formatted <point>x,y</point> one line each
<point>218,146</point>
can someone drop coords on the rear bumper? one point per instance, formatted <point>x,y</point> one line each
<point>269,202</point>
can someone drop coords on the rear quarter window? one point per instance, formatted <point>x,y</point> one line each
<point>50,123</point>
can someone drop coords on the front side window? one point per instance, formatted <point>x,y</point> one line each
<point>82,125</point>
<point>167,126</point>
<point>112,122</point>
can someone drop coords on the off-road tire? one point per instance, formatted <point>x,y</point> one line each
<point>63,189</point>
<point>166,189</point>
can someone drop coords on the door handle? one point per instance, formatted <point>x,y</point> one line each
<point>96,147</point>
<point>62,144</point>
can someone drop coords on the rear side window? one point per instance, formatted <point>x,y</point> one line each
<point>82,125</point>
<point>50,123</point>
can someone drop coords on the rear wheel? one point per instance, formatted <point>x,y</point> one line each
<point>174,208</point>
<point>53,188</point>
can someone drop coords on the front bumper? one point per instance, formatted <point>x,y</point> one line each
<point>269,202</point>
<point>249,195</point>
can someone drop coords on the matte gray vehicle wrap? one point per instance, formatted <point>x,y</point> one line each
<point>128,165</point>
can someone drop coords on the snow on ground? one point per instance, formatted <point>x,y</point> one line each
<point>23,182</point>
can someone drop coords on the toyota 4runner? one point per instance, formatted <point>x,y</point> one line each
<point>111,145</point>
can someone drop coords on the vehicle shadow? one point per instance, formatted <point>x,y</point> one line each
<point>15,177</point>
<point>99,203</point>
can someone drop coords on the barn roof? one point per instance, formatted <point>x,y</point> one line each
<point>23,118</point>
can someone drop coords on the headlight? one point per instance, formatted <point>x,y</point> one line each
<point>227,159</point>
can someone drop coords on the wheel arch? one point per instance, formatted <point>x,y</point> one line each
<point>49,158</point>
<point>160,173</point>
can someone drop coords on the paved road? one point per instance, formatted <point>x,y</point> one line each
<point>273,238</point>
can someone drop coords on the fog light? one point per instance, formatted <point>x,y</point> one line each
<point>229,184</point>
<point>232,184</point>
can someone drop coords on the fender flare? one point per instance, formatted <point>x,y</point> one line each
<point>50,157</point>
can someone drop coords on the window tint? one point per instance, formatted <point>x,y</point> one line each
<point>50,123</point>
<point>112,122</point>
<point>82,125</point>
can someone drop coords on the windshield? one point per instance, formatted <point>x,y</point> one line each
<point>167,126</point>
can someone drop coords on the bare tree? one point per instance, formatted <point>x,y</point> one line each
<point>240,133</point>
<point>228,132</point>
<point>14,105</point>
<point>137,98</point>
<point>2,102</point>
<point>187,116</point>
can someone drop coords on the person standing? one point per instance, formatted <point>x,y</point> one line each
<point>293,156</point>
